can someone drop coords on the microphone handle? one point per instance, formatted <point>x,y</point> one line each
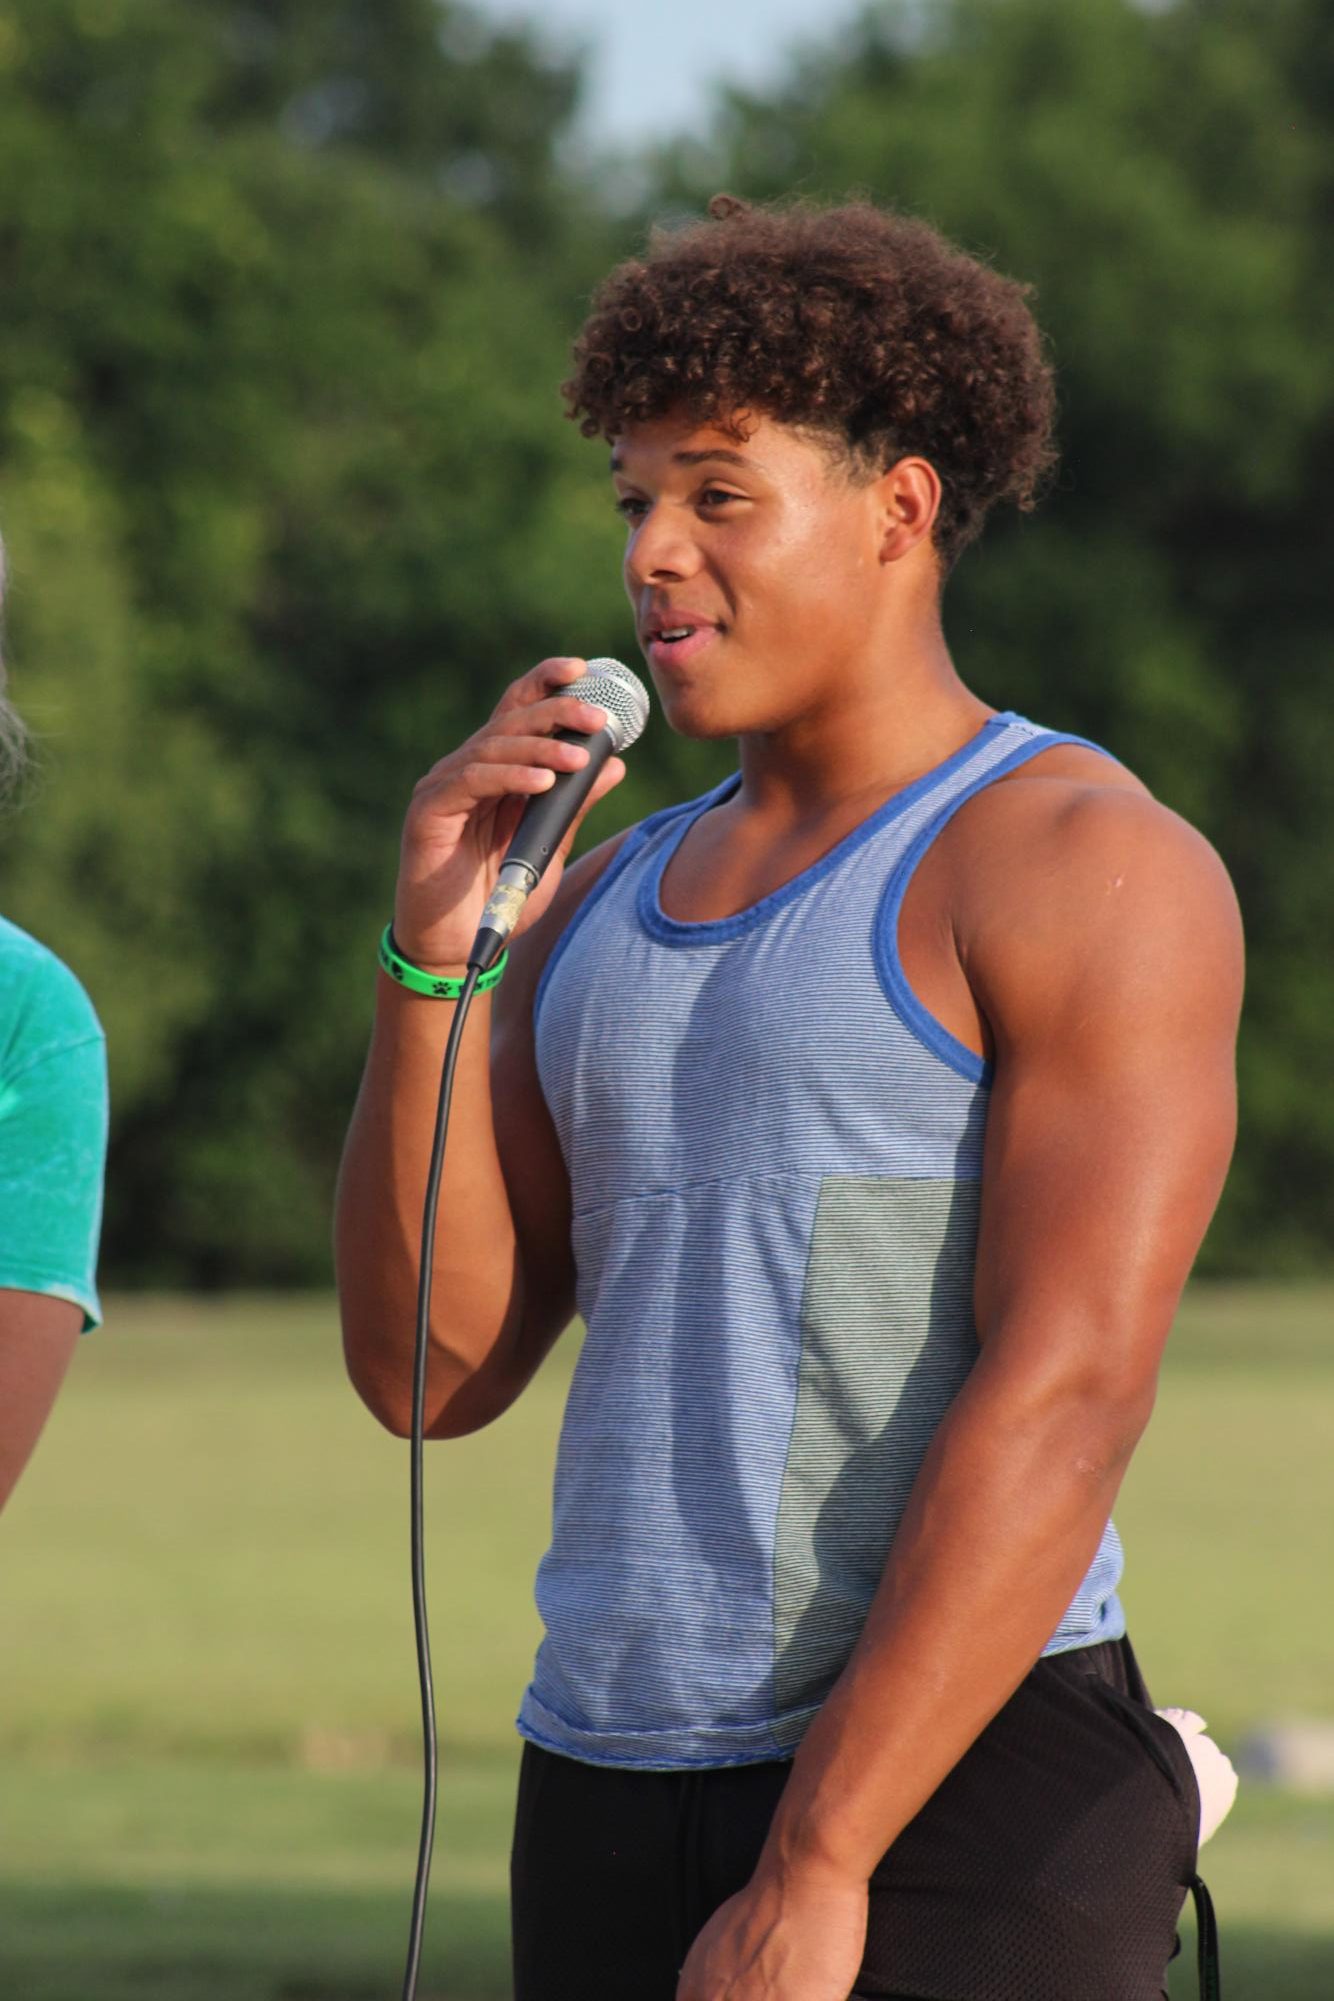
<point>545,823</point>
<point>547,816</point>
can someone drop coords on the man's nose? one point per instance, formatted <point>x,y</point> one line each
<point>661,549</point>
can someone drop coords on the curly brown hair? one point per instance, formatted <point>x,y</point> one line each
<point>852,322</point>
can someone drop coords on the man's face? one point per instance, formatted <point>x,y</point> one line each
<point>752,565</point>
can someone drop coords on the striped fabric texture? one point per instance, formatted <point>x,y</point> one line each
<point>774,1154</point>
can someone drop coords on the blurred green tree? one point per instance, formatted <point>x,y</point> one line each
<point>1163,176</point>
<point>288,499</point>
<point>288,289</point>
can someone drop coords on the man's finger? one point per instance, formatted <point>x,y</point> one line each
<point>545,679</point>
<point>468,785</point>
<point>551,751</point>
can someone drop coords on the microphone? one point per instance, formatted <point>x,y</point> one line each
<point>547,816</point>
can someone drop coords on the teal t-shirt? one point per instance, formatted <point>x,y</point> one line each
<point>53,1126</point>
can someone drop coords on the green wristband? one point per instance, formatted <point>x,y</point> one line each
<point>436,985</point>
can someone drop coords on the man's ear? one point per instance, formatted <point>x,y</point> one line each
<point>909,498</point>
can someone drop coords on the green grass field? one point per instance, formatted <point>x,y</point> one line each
<point>209,1715</point>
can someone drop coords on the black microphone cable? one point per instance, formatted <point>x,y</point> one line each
<point>544,824</point>
<point>430,1748</point>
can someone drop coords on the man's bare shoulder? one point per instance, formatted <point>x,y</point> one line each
<point>1044,832</point>
<point>1035,804</point>
<point>531,951</point>
<point>1071,862</point>
<point>580,878</point>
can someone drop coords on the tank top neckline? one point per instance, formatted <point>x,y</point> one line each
<point>670,930</point>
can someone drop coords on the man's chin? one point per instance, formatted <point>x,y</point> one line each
<point>702,732</point>
<point>696,719</point>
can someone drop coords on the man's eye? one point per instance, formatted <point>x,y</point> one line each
<point>717,496</point>
<point>629,506</point>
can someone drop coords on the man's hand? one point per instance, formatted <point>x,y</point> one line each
<point>465,810</point>
<point>795,1938</point>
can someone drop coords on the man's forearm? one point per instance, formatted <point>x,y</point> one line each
<point>381,1195</point>
<point>1002,1524</point>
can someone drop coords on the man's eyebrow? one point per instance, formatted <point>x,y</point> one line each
<point>702,458</point>
<point>718,452</point>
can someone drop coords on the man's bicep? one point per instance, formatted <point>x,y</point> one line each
<point>1114,1004</point>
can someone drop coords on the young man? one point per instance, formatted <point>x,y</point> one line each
<point>871,1111</point>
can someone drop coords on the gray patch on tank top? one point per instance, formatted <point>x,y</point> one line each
<point>887,1338</point>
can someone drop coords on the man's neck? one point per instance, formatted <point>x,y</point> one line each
<point>891,722</point>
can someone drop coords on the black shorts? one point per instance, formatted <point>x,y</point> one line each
<point>1050,1865</point>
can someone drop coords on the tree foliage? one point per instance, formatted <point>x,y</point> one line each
<point>288,290</point>
<point>287,497</point>
<point>1164,179</point>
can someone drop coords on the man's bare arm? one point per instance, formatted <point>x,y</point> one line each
<point>536,1182</point>
<point>502,1288</point>
<point>1102,939</point>
<point>1110,972</point>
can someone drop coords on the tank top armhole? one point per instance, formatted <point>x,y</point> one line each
<point>633,844</point>
<point>915,1017</point>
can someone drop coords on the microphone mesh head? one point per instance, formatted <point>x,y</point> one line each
<point>622,694</point>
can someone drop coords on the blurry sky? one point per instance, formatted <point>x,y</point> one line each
<point>653,61</point>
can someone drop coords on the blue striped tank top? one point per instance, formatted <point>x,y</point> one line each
<point>774,1153</point>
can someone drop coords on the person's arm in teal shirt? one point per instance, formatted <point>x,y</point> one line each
<point>53,1121</point>
<point>38,1336</point>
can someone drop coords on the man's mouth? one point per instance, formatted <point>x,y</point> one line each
<point>672,640</point>
<point>671,646</point>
